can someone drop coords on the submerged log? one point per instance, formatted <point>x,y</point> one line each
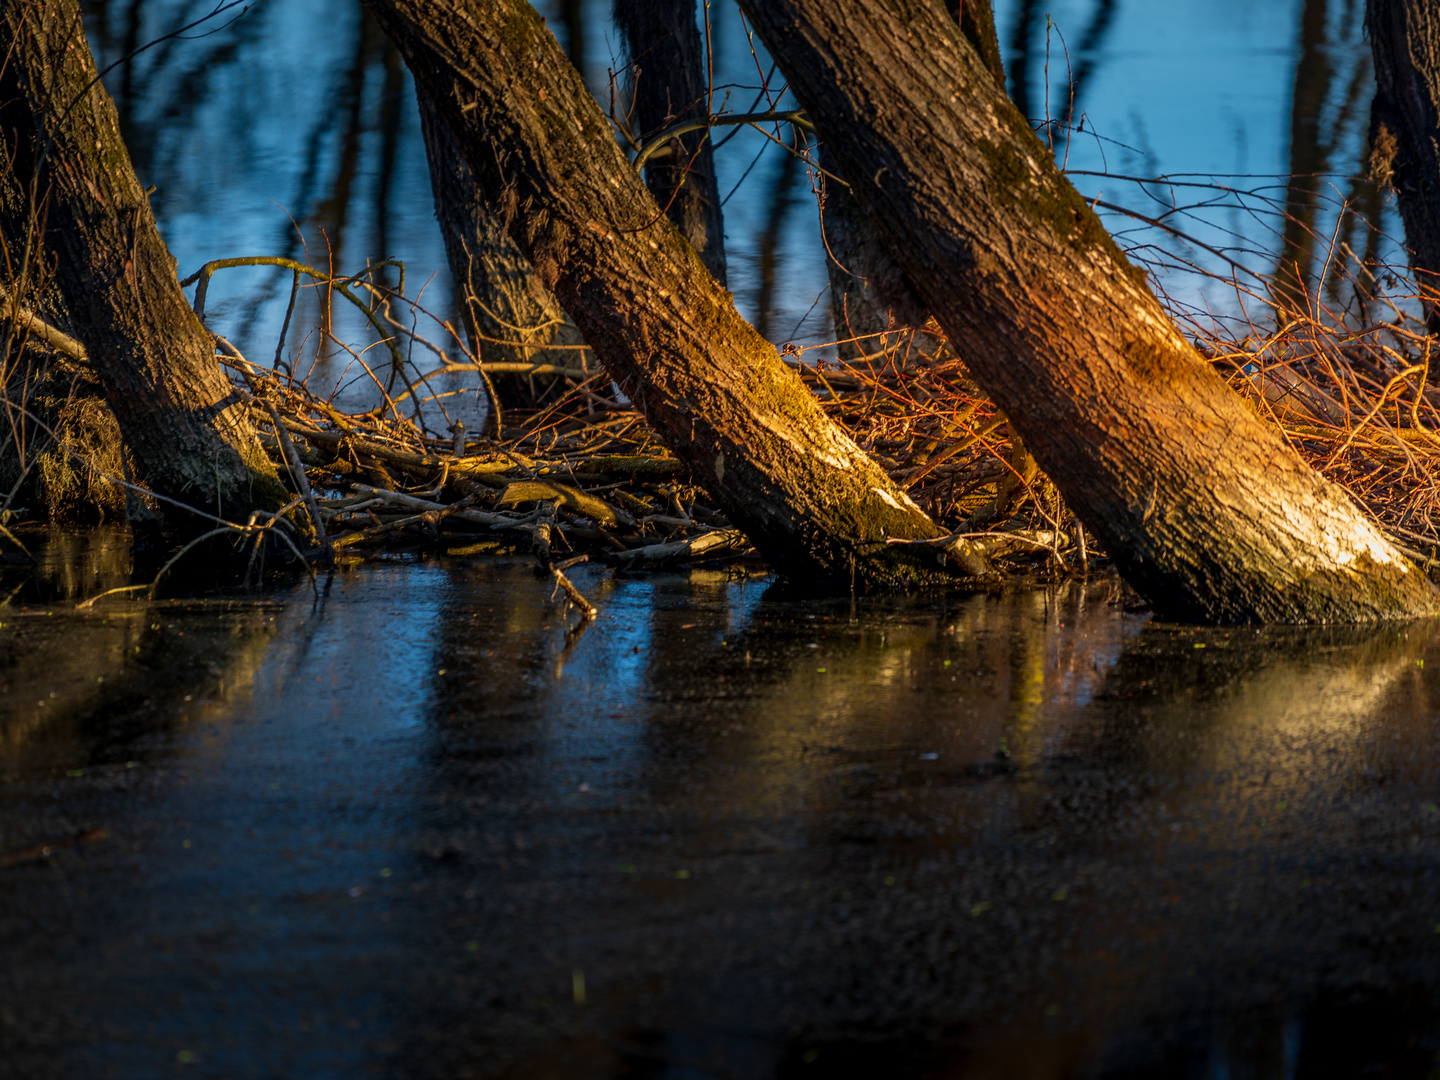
<point>1208,512</point>
<point>186,430</point>
<point>713,390</point>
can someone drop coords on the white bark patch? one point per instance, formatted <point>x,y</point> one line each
<point>1343,541</point>
<point>889,499</point>
<point>720,468</point>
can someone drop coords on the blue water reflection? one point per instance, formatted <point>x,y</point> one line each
<point>292,131</point>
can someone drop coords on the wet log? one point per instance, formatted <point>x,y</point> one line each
<point>187,431</point>
<point>714,391</point>
<point>1208,512</point>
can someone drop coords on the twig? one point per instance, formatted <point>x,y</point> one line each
<point>302,483</point>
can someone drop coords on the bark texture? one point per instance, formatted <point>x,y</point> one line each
<point>667,87</point>
<point>1208,512</point>
<point>509,315</point>
<point>186,430</point>
<point>711,387</point>
<point>1405,126</point>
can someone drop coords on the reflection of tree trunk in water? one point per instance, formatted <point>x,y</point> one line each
<point>572,14</point>
<point>333,213</point>
<point>1370,206</point>
<point>1022,46</point>
<point>129,41</point>
<point>1405,42</point>
<point>390,113</point>
<point>186,431</point>
<point>782,198</point>
<point>1100,23</point>
<point>1363,205</point>
<point>1308,158</point>
<point>502,302</point>
<point>668,86</point>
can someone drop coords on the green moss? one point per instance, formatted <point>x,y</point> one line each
<point>520,32</point>
<point>1048,197</point>
<point>1149,362</point>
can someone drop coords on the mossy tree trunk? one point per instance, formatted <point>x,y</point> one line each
<point>668,85</point>
<point>187,432</point>
<point>509,316</point>
<point>716,392</point>
<point>1208,512</point>
<point>1405,127</point>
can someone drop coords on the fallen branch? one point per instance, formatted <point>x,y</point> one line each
<point>709,543</point>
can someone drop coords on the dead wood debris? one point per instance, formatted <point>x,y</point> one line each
<point>568,484</point>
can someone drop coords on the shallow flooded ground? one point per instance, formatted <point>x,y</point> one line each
<point>410,828</point>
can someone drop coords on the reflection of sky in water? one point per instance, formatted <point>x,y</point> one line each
<point>300,109</point>
<point>298,875</point>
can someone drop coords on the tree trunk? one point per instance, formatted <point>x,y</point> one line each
<point>667,87</point>
<point>713,390</point>
<point>49,402</point>
<point>849,256</point>
<point>1208,512</point>
<point>977,26</point>
<point>509,316</point>
<point>187,432</point>
<point>869,293</point>
<point>1405,127</point>
<point>1309,159</point>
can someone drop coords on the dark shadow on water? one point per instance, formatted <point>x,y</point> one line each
<point>420,827</point>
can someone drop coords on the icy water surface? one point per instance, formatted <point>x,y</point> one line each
<point>409,829</point>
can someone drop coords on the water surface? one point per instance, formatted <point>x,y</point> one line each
<point>410,828</point>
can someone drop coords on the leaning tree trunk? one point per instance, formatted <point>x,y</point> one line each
<point>509,316</point>
<point>187,431</point>
<point>714,391</point>
<point>1405,128</point>
<point>668,87</point>
<point>1208,512</point>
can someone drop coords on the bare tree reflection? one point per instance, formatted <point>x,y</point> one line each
<point>1023,34</point>
<point>783,196</point>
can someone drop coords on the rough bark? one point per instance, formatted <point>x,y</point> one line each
<point>1405,126</point>
<point>509,316</point>
<point>711,387</point>
<point>977,26</point>
<point>49,402</point>
<point>1208,513</point>
<point>668,87</point>
<point>187,433</point>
